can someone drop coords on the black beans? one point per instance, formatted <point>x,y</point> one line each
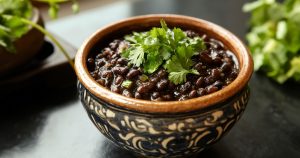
<point>218,84</point>
<point>155,95</point>
<point>127,93</point>
<point>122,45</point>
<point>146,87</point>
<point>99,56</point>
<point>167,97</point>
<point>115,56</point>
<point>162,84</point>
<point>198,66</point>
<point>120,70</point>
<point>107,74</point>
<point>121,61</point>
<point>228,60</point>
<point>183,97</point>
<point>91,63</point>
<point>100,63</point>
<point>215,66</point>
<point>138,95</point>
<point>154,79</point>
<point>162,73</point>
<point>132,73</point>
<point>211,89</point>
<point>200,81</point>
<point>119,80</point>
<point>215,73</point>
<point>115,89</point>
<point>191,34</point>
<point>114,45</point>
<point>201,91</point>
<point>107,52</point>
<point>193,94</point>
<point>204,56</point>
<point>113,61</point>
<point>233,74</point>
<point>185,87</point>
<point>217,61</point>
<point>209,80</point>
<point>225,67</point>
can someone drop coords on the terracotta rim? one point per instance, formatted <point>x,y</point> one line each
<point>230,40</point>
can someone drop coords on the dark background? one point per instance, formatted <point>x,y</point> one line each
<point>39,122</point>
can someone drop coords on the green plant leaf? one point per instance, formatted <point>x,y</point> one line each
<point>274,37</point>
<point>170,48</point>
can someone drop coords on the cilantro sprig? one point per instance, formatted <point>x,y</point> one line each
<point>170,48</point>
<point>13,13</point>
<point>15,21</point>
<point>274,38</point>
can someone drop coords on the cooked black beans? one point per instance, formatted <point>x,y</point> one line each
<point>115,89</point>
<point>138,95</point>
<point>215,65</point>
<point>155,95</point>
<point>193,94</point>
<point>162,73</point>
<point>201,91</point>
<point>211,89</point>
<point>91,62</point>
<point>145,88</point>
<point>107,74</point>
<point>120,70</point>
<point>200,82</point>
<point>132,73</point>
<point>119,80</point>
<point>161,85</point>
<point>127,93</point>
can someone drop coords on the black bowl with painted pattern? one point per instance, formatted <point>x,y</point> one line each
<point>164,129</point>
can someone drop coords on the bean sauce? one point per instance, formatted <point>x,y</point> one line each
<point>216,66</point>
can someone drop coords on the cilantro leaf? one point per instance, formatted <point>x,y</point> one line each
<point>165,52</point>
<point>184,55</point>
<point>178,34</point>
<point>153,62</point>
<point>177,73</point>
<point>170,48</point>
<point>274,38</point>
<point>178,77</point>
<point>136,56</point>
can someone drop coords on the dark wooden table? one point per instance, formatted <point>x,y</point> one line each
<point>42,123</point>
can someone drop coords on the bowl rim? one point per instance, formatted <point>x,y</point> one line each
<point>146,106</point>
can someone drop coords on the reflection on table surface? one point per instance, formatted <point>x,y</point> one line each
<point>54,124</point>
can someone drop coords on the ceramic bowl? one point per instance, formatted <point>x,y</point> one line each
<point>171,128</point>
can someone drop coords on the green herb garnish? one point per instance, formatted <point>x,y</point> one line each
<point>144,77</point>
<point>15,21</point>
<point>126,84</point>
<point>274,38</point>
<point>170,48</point>
<point>13,28</point>
<point>13,13</point>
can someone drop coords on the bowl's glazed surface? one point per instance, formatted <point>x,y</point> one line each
<point>171,128</point>
<point>163,135</point>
